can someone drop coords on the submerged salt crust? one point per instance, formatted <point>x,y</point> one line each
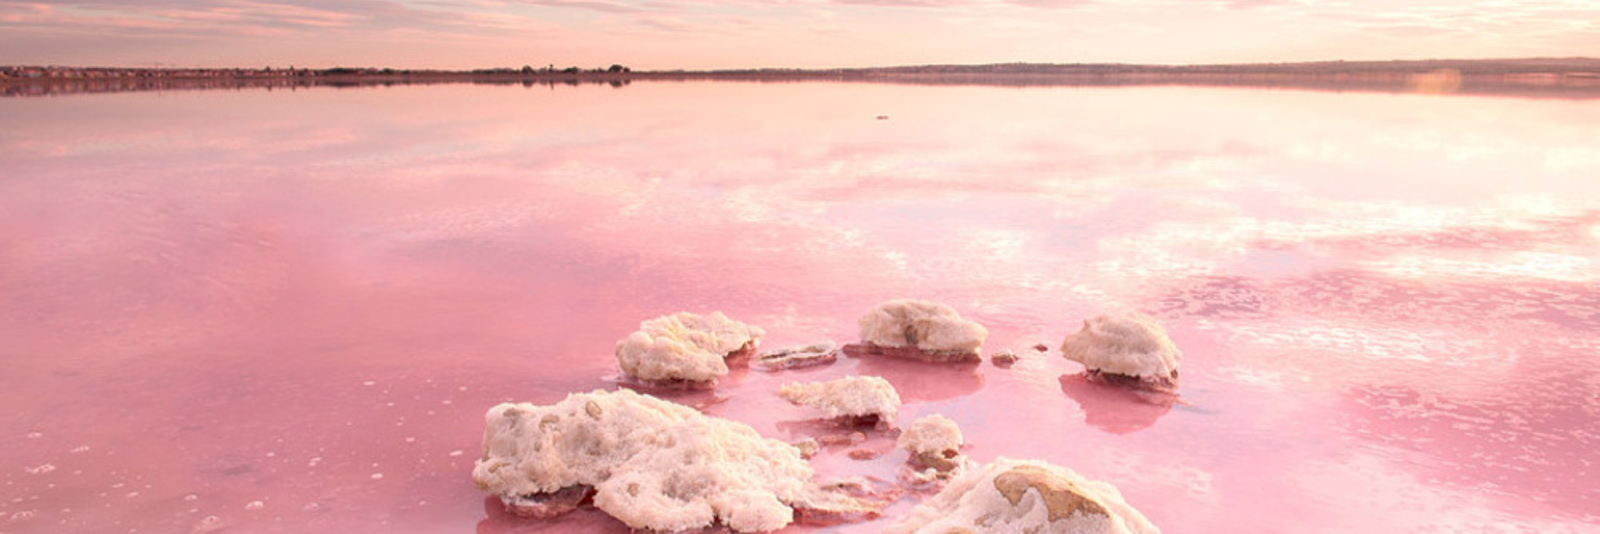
<point>684,346</point>
<point>924,325</point>
<point>1014,496</point>
<point>852,396</point>
<point>652,463</point>
<point>1128,343</point>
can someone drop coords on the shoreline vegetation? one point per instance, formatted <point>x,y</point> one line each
<point>1574,78</point>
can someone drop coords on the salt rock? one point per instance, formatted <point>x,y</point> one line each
<point>1004,358</point>
<point>808,447</point>
<point>923,330</point>
<point>797,357</point>
<point>685,347</point>
<point>651,463</point>
<point>865,399</point>
<point>1130,345</point>
<point>934,441</point>
<point>1009,496</point>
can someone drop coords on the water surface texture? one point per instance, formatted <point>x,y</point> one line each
<point>276,311</point>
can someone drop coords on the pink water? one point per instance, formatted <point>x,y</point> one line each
<point>256,311</point>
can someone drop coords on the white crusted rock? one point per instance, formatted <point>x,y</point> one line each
<point>651,463</point>
<point>863,399</point>
<point>934,441</point>
<point>923,330</point>
<point>1126,347</point>
<point>685,347</point>
<point>812,355</point>
<point>1009,496</point>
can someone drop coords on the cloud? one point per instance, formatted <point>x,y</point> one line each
<point>590,5</point>
<point>229,17</point>
<point>1050,4</point>
<point>903,3</point>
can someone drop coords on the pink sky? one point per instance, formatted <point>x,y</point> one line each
<point>662,34</point>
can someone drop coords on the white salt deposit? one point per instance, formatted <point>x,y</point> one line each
<point>1128,344</point>
<point>932,436</point>
<point>934,442</point>
<point>815,354</point>
<point>929,327</point>
<point>1012,496</point>
<point>853,396</point>
<point>684,346</point>
<point>651,463</point>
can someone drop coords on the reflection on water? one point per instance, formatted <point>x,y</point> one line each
<point>1117,410</point>
<point>919,381</point>
<point>1388,303</point>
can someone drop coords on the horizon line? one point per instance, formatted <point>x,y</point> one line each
<point>166,66</point>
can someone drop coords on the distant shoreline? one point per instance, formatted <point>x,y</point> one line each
<point>1577,78</point>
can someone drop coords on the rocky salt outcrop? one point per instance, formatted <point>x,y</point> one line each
<point>860,400</point>
<point>650,463</point>
<point>1009,496</point>
<point>685,348</point>
<point>1128,348</point>
<point>934,442</point>
<point>923,330</point>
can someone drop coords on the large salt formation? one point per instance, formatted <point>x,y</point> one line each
<point>855,399</point>
<point>1009,496</point>
<point>685,348</point>
<point>651,463</point>
<point>1126,348</point>
<point>922,330</point>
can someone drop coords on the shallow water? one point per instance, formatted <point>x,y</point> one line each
<point>287,311</point>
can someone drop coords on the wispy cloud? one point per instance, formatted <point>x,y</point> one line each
<point>589,5</point>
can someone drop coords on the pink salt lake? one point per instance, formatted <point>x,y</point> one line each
<point>275,311</point>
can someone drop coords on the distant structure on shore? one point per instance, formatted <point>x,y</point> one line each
<point>74,73</point>
<point>1557,77</point>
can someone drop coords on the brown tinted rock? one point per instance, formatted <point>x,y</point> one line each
<point>797,357</point>
<point>1024,496</point>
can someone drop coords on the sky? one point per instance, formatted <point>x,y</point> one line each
<point>709,34</point>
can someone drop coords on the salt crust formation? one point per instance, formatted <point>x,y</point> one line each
<point>685,347</point>
<point>811,355</point>
<point>859,397</point>
<point>1129,344</point>
<point>934,442</point>
<point>934,330</point>
<point>1024,496</point>
<point>651,463</point>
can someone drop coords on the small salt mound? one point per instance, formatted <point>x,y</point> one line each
<point>933,329</point>
<point>853,396</point>
<point>1009,496</point>
<point>651,463</point>
<point>684,347</point>
<point>934,441</point>
<point>1129,344</point>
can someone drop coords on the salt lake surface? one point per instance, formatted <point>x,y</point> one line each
<point>276,311</point>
